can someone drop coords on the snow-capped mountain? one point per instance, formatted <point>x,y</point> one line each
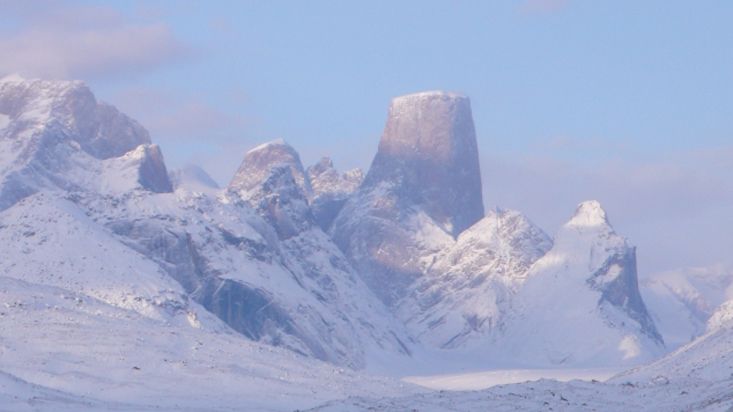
<point>354,270</point>
<point>416,232</point>
<point>157,249</point>
<point>66,351</point>
<point>281,199</point>
<point>56,132</point>
<point>423,188</point>
<point>587,282</point>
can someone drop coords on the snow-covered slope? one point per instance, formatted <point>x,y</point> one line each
<point>708,357</point>
<point>467,291</point>
<point>548,395</point>
<point>682,301</point>
<point>106,223</point>
<point>415,233</point>
<point>101,357</point>
<point>51,124</point>
<point>49,240</point>
<point>185,289</point>
<point>581,301</point>
<point>358,319</point>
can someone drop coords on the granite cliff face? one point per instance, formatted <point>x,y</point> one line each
<point>329,265</point>
<point>428,152</point>
<point>416,232</point>
<point>422,189</point>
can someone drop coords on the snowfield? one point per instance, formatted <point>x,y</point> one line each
<point>550,395</point>
<point>99,357</point>
<point>487,379</point>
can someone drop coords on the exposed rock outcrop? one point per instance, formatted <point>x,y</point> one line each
<point>422,189</point>
<point>331,190</point>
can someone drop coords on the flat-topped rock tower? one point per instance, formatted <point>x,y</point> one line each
<point>429,149</point>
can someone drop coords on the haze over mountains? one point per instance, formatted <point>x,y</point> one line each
<point>296,265</point>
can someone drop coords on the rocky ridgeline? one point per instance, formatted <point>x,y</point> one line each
<point>337,266</point>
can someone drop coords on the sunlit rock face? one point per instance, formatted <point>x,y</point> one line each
<point>260,161</point>
<point>429,150</point>
<point>422,190</point>
<point>272,180</point>
<point>56,135</point>
<point>34,107</point>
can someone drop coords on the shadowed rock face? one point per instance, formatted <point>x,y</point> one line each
<point>429,149</point>
<point>153,173</point>
<point>422,190</point>
<point>623,290</point>
<point>615,277</point>
<point>331,190</point>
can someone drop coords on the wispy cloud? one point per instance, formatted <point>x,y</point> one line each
<point>542,6</point>
<point>82,41</point>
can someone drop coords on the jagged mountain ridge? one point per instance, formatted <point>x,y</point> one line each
<point>256,253</point>
<point>417,250</point>
<point>212,246</point>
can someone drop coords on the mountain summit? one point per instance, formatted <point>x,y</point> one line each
<point>422,190</point>
<point>429,150</point>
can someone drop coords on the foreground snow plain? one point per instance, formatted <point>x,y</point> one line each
<point>63,341</point>
<point>487,379</point>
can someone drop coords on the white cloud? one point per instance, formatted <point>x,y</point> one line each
<point>83,42</point>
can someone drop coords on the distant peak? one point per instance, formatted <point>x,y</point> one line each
<point>589,213</point>
<point>324,165</point>
<point>325,162</point>
<point>259,161</point>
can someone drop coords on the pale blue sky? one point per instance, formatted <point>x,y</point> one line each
<point>629,102</point>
